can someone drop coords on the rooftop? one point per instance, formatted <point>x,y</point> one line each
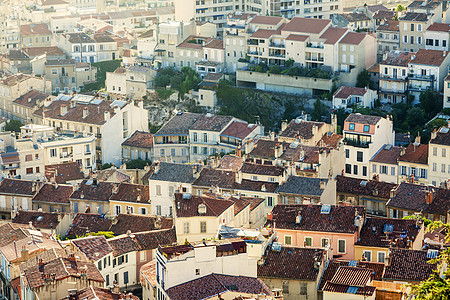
<point>211,122</point>
<point>62,173</point>
<point>54,193</point>
<point>442,137</point>
<point>298,128</point>
<point>347,91</point>
<point>215,178</point>
<point>444,27</point>
<point>34,29</point>
<point>372,188</point>
<point>415,17</point>
<point>94,247</point>
<point>17,187</point>
<point>182,173</point>
<point>179,124</point>
<point>93,190</point>
<point>307,25</point>
<point>188,205</point>
<point>416,153</point>
<point>388,155</point>
<point>339,219</point>
<point>265,170</point>
<point>40,220</point>
<point>429,57</point>
<point>31,99</point>
<point>307,186</point>
<point>239,130</point>
<point>266,20</point>
<point>408,265</point>
<point>362,119</point>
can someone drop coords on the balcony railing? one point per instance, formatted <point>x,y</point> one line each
<point>277,55</point>
<point>391,77</point>
<point>421,77</point>
<point>356,143</point>
<point>315,59</point>
<point>254,52</point>
<point>309,45</point>
<point>274,45</point>
<point>252,42</point>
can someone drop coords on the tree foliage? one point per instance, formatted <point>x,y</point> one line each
<point>13,125</point>
<point>437,286</point>
<point>430,102</point>
<point>183,81</point>
<point>138,164</point>
<point>400,8</point>
<point>106,234</point>
<point>363,80</point>
<point>318,111</point>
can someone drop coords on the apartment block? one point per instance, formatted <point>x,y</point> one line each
<point>393,77</point>
<point>439,147</point>
<point>67,75</point>
<point>388,37</point>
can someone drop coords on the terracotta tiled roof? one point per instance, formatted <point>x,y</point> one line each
<point>142,241</point>
<point>306,25</point>
<point>140,139</point>
<point>61,268</point>
<point>333,35</point>
<point>40,220</point>
<point>297,37</point>
<point>416,17</point>
<point>429,57</point>
<point>353,38</point>
<point>50,51</point>
<point>179,124</point>
<point>215,177</point>
<point>131,193</point>
<point>215,284</point>
<point>305,154</point>
<point>442,137</point>
<point>365,291</point>
<point>214,77</point>
<point>133,223</point>
<point>414,197</point>
<point>11,232</point>
<point>232,163</point>
<point>386,15</point>
<point>186,208</point>
<point>266,20</point>
<point>94,247</point>
<point>34,29</point>
<point>397,58</point>
<point>96,293</point>
<point>96,112</point>
<point>352,276</point>
<point>82,222</point>
<point>54,193</point>
<point>330,140</point>
<point>408,265</point>
<point>439,27</point>
<point>333,265</point>
<point>346,91</point>
<point>64,172</point>
<point>265,148</point>
<point>341,219</point>
<point>31,99</point>
<point>88,190</point>
<point>375,232</point>
<point>388,155</point>
<point>266,170</point>
<point>17,187</point>
<point>390,25</point>
<point>78,37</point>
<point>360,187</point>
<point>355,17</point>
<point>429,5</point>
<point>298,128</point>
<point>416,154</point>
<point>363,119</point>
<point>279,264</point>
<point>211,123</point>
<point>239,130</point>
<point>264,33</point>
<point>305,186</point>
<point>256,186</point>
<point>148,271</point>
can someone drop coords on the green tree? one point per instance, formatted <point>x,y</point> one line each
<point>415,119</point>
<point>318,110</point>
<point>138,163</point>
<point>289,63</point>
<point>363,79</point>
<point>13,125</point>
<point>106,234</point>
<point>106,166</point>
<point>400,8</point>
<point>430,102</point>
<point>437,286</point>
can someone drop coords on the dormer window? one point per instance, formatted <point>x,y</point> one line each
<point>351,126</point>
<point>366,128</point>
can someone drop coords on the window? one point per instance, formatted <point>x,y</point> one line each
<point>29,170</point>
<point>351,126</point>
<point>303,288</point>
<point>359,156</point>
<point>197,272</point>
<point>117,209</point>
<point>366,128</point>
<point>381,257</point>
<point>355,169</point>
<point>434,167</point>
<point>348,168</point>
<point>364,171</point>
<point>325,242</point>
<point>434,151</point>
<point>347,153</point>
<point>158,190</point>
<point>444,153</point>
<point>53,152</point>
<point>194,136</point>
<point>107,280</point>
<point>205,137</point>
<point>99,265</point>
<point>143,211</point>
<point>125,277</point>
<point>403,170</point>
<point>270,201</point>
<point>405,39</point>
<point>186,227</point>
<point>393,171</point>
<point>308,241</point>
<point>288,240</point>
<point>443,168</point>
<point>374,168</point>
<point>203,227</point>
<point>28,157</point>
<point>158,210</point>
<point>341,246</point>
<point>285,286</point>
<point>412,26</point>
<point>383,169</point>
<point>367,255</point>
<point>75,207</point>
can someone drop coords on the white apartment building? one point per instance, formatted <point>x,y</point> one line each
<point>347,96</point>
<point>437,37</point>
<point>428,69</point>
<point>438,161</point>
<point>393,82</point>
<point>447,92</point>
<point>182,263</point>
<point>132,81</point>
<point>112,122</point>
<point>364,136</point>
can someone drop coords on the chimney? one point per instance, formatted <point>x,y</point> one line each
<point>315,130</point>
<point>334,122</point>
<point>41,263</point>
<point>238,177</point>
<point>239,151</point>
<point>115,288</point>
<point>73,104</point>
<point>284,125</point>
<point>107,116</point>
<point>417,140</point>
<point>323,184</point>
<point>269,216</point>
<point>272,135</point>
<point>72,257</point>
<point>85,112</point>
<point>63,109</point>
<point>278,150</point>
<point>429,198</point>
<point>433,134</point>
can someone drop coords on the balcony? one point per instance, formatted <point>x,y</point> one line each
<point>274,45</point>
<point>416,88</point>
<point>319,59</point>
<point>254,52</point>
<point>310,45</point>
<point>66,155</point>
<point>421,77</point>
<point>252,42</point>
<point>281,55</point>
<point>10,167</point>
<point>356,143</point>
<point>393,77</point>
